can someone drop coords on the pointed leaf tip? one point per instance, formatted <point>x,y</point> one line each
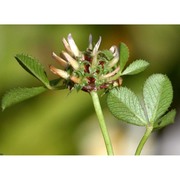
<point>123,55</point>
<point>17,95</point>
<point>136,67</point>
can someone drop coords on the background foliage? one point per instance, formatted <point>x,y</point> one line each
<point>57,122</point>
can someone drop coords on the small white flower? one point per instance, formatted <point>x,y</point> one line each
<point>67,47</point>
<point>73,46</point>
<point>96,47</point>
<point>115,59</point>
<point>71,60</point>
<point>61,61</point>
<point>90,42</point>
<point>59,72</point>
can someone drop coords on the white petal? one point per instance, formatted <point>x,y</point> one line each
<point>67,46</point>
<point>112,49</point>
<point>115,52</point>
<point>90,42</point>
<point>96,47</point>
<point>73,45</point>
<point>59,72</point>
<point>61,61</point>
<point>71,60</point>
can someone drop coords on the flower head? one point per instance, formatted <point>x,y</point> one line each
<point>88,70</point>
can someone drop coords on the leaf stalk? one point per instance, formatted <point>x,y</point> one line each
<point>144,139</point>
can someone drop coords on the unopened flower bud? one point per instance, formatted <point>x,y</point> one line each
<point>67,47</point>
<point>59,72</point>
<point>73,46</point>
<point>115,52</point>
<point>90,42</point>
<point>96,47</point>
<point>61,61</point>
<point>75,79</point>
<point>71,60</point>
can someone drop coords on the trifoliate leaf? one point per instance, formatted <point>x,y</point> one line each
<point>32,66</point>
<point>158,94</point>
<point>124,55</point>
<point>17,95</point>
<point>165,120</point>
<point>136,67</point>
<point>125,106</point>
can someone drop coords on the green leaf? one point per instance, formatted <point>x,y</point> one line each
<point>136,67</point>
<point>158,94</point>
<point>124,55</point>
<point>125,106</point>
<point>17,95</point>
<point>32,66</point>
<point>165,120</point>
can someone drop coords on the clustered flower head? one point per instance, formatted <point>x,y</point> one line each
<point>88,70</point>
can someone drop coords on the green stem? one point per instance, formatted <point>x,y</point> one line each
<point>144,139</point>
<point>102,124</point>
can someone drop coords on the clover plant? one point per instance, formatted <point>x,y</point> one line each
<point>92,70</point>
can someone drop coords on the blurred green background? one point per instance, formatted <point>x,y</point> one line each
<point>63,123</point>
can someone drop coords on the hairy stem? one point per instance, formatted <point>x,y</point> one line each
<point>102,124</point>
<point>144,139</point>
